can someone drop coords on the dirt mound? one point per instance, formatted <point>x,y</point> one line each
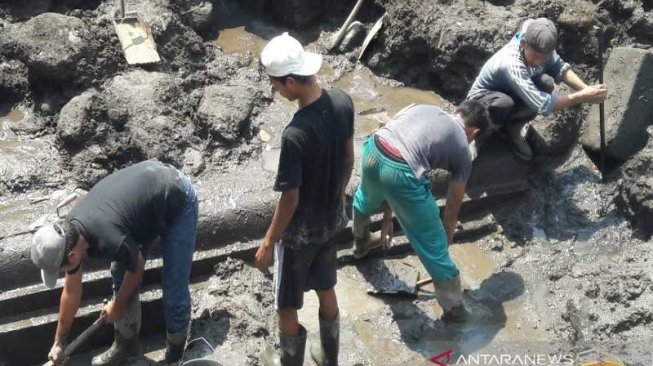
<point>635,190</point>
<point>235,313</point>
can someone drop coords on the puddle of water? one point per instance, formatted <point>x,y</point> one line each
<point>8,140</point>
<point>16,115</point>
<point>353,301</point>
<point>238,41</point>
<point>474,263</point>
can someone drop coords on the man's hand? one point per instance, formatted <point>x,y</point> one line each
<point>56,353</point>
<point>113,312</point>
<point>594,94</point>
<point>264,256</point>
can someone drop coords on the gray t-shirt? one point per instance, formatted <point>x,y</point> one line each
<point>429,138</point>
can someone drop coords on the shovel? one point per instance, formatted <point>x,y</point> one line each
<point>135,37</point>
<point>396,278</point>
<point>72,347</point>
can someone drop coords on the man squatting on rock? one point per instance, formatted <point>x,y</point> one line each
<point>119,219</point>
<point>317,156</point>
<point>517,83</point>
<point>394,164</point>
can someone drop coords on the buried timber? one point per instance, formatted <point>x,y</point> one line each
<point>558,262</point>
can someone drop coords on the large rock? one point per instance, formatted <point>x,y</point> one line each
<point>155,108</point>
<point>553,137</point>
<point>635,190</point>
<point>642,27</point>
<point>299,13</point>
<point>13,82</point>
<point>629,107</point>
<point>137,115</point>
<point>201,15</point>
<point>77,122</point>
<point>50,44</point>
<point>225,110</point>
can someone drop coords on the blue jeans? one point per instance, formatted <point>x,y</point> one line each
<point>178,247</point>
<point>383,179</point>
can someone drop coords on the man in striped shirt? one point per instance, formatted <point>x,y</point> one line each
<point>517,83</point>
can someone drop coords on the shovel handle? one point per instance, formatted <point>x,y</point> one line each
<point>423,282</point>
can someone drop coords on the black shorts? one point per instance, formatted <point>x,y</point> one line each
<point>296,271</point>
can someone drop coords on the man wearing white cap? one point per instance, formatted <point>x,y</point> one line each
<point>119,219</point>
<point>317,156</point>
<point>517,83</point>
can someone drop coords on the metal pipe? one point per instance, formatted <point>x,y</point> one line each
<point>341,33</point>
<point>599,36</point>
<point>122,9</point>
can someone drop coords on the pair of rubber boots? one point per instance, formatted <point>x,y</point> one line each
<point>291,353</point>
<point>126,343</point>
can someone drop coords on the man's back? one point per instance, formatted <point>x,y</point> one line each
<point>428,138</point>
<point>312,159</point>
<point>132,205</point>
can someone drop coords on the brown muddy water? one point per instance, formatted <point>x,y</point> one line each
<point>8,140</point>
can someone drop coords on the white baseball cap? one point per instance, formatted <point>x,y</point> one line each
<point>48,246</point>
<point>284,55</point>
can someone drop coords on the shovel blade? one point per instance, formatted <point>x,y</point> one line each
<point>137,42</point>
<point>397,278</point>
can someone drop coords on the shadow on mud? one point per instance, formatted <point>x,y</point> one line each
<point>423,333</point>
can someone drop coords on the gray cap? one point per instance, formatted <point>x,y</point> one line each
<point>48,246</point>
<point>541,34</point>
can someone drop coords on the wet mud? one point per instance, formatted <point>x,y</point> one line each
<point>568,269</point>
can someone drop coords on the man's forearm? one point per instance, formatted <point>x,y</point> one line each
<point>455,195</point>
<point>283,214</point>
<point>71,297</point>
<point>566,101</point>
<point>570,78</point>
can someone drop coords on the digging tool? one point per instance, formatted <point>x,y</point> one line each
<point>345,26</point>
<point>135,37</point>
<point>70,349</point>
<point>599,36</point>
<point>370,36</point>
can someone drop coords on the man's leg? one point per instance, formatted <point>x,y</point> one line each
<point>419,217</point>
<point>178,248</point>
<point>519,125</point>
<point>367,200</point>
<point>291,268</point>
<point>323,278</point>
<point>126,343</point>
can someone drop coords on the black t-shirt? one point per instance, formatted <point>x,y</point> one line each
<point>124,212</point>
<point>312,159</point>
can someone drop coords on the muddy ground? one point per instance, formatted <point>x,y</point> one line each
<point>569,269</point>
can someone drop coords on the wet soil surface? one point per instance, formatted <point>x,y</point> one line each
<point>565,272</point>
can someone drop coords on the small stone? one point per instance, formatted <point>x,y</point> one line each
<point>264,136</point>
<point>46,109</point>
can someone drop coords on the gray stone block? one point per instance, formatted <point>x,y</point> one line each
<point>629,107</point>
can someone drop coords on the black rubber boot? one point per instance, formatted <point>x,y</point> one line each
<point>175,345</point>
<point>291,352</point>
<point>364,240</point>
<point>126,343</point>
<point>325,352</point>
